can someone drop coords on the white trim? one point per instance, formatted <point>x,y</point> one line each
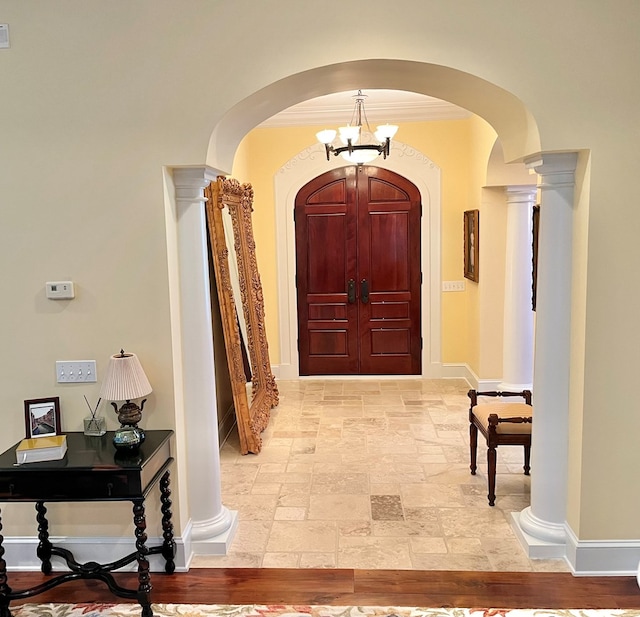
<point>306,165</point>
<point>21,552</point>
<point>464,371</point>
<point>602,557</point>
<point>382,106</point>
<point>534,547</point>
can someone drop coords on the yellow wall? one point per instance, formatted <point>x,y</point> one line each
<point>452,145</point>
<point>486,305</point>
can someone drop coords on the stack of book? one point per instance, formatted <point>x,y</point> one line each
<point>41,449</point>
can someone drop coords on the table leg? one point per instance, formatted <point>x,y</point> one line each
<point>5,590</point>
<point>144,582</point>
<point>168,546</point>
<point>44,547</point>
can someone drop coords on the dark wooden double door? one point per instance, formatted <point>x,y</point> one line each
<point>358,273</point>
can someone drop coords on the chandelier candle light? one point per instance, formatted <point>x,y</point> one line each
<point>126,380</point>
<point>355,141</point>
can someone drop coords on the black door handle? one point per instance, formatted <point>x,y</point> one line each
<point>364,291</point>
<point>351,291</point>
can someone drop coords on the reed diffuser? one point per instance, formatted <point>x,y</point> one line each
<point>94,425</point>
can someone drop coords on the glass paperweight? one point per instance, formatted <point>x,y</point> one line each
<point>95,427</point>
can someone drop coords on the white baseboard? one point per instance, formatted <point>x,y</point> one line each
<point>603,557</point>
<point>584,557</point>
<point>20,552</point>
<point>434,371</point>
<point>464,371</point>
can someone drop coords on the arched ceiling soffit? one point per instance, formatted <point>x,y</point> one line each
<point>509,117</point>
<point>500,173</point>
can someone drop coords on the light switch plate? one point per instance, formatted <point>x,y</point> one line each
<point>4,36</point>
<point>453,286</point>
<point>76,371</point>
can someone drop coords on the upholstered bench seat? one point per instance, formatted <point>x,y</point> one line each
<point>482,411</point>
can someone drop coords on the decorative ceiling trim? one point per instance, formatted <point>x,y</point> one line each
<point>382,106</point>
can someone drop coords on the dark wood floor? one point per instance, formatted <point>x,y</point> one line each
<point>359,587</point>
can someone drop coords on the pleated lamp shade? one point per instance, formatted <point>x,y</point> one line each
<point>125,379</point>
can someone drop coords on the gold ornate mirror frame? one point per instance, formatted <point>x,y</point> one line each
<point>252,416</point>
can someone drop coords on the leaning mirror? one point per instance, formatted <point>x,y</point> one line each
<point>252,411</point>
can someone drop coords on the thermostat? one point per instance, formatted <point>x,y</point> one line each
<point>60,290</point>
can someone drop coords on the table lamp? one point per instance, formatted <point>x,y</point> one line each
<point>125,380</point>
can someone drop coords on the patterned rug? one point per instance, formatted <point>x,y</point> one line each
<point>263,610</point>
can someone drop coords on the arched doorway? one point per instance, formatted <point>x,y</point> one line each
<point>358,273</point>
<point>508,115</point>
<point>409,163</point>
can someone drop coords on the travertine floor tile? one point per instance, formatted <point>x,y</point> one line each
<point>339,507</point>
<point>370,552</point>
<point>372,474</point>
<point>302,536</point>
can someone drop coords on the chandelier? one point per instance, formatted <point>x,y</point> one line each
<point>358,143</point>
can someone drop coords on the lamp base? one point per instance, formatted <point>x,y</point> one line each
<point>128,439</point>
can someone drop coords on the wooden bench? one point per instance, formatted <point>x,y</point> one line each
<point>502,424</point>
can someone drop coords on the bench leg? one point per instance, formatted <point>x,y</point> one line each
<point>491,474</point>
<point>527,460</point>
<point>473,447</point>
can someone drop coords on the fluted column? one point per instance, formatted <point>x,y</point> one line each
<point>517,362</point>
<point>544,521</point>
<point>213,525</point>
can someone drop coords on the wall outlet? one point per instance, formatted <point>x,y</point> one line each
<point>76,371</point>
<point>453,286</point>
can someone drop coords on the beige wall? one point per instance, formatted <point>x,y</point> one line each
<point>97,98</point>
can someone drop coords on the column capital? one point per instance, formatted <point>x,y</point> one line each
<point>190,182</point>
<point>556,168</point>
<point>521,194</point>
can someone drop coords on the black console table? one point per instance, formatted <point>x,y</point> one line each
<point>92,471</point>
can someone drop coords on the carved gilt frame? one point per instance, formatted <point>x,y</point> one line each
<point>252,415</point>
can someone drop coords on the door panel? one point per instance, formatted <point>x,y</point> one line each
<point>326,261</point>
<point>389,258</point>
<point>358,273</point>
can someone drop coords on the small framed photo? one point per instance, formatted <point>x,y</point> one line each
<point>471,252</point>
<point>42,417</point>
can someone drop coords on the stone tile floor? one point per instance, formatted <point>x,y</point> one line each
<point>372,474</point>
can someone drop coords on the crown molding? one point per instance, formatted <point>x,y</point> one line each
<point>382,106</point>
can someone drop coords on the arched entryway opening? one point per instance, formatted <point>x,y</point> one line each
<point>518,133</point>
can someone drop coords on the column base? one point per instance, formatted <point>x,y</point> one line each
<point>214,537</point>
<point>539,539</point>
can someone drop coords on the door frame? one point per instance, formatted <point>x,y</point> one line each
<point>403,160</point>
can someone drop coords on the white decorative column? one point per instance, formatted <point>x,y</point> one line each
<point>543,523</point>
<point>212,525</point>
<point>517,355</point>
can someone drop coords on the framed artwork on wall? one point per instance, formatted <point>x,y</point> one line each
<point>42,417</point>
<point>471,237</point>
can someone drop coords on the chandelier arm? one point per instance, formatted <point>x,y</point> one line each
<point>351,149</point>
